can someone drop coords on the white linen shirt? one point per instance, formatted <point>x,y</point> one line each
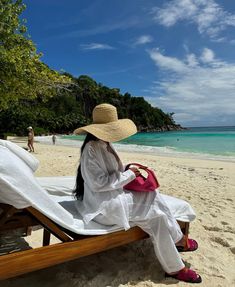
<point>104,179</point>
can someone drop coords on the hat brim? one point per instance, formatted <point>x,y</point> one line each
<point>110,132</point>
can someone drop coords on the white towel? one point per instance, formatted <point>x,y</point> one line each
<point>19,188</point>
<point>30,160</point>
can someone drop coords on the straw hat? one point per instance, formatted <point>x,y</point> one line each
<point>29,128</point>
<point>106,125</point>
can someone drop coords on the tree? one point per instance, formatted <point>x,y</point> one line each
<point>22,74</point>
<point>87,94</point>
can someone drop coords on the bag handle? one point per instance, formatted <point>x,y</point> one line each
<point>147,169</point>
<point>136,164</point>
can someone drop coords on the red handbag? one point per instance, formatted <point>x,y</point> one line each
<point>141,183</point>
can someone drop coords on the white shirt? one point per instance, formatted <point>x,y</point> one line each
<point>104,179</point>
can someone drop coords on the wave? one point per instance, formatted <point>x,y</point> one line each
<point>160,151</point>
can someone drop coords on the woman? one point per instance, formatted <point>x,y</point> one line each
<point>101,197</point>
<point>30,139</point>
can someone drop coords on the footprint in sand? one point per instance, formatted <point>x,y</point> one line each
<point>212,228</point>
<point>229,199</point>
<point>230,229</point>
<point>232,250</point>
<point>220,241</point>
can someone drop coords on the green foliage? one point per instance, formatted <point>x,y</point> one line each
<point>69,110</point>
<point>22,74</point>
<point>59,114</point>
<point>147,118</point>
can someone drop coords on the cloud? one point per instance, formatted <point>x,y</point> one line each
<point>209,16</point>
<point>207,56</point>
<point>104,28</point>
<point>144,39</point>
<point>191,60</point>
<point>165,62</point>
<point>200,90</point>
<point>96,46</point>
<point>113,72</point>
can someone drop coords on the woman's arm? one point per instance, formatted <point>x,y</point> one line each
<point>96,176</point>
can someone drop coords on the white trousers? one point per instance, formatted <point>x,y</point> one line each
<point>156,220</point>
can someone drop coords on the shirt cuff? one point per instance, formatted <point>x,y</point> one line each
<point>130,174</point>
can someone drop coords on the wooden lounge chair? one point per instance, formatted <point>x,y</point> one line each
<point>72,245</point>
<point>25,203</point>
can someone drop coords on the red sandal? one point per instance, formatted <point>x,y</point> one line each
<point>186,275</point>
<point>190,245</point>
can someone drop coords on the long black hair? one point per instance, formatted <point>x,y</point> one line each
<point>79,188</point>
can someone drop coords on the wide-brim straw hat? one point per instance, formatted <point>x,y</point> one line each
<point>106,125</point>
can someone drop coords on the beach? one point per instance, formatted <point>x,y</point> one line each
<point>208,185</point>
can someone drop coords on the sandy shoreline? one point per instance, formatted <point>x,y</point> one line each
<point>209,186</point>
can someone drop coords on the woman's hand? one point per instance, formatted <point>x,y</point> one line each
<point>135,170</point>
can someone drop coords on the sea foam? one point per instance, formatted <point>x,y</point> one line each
<point>160,151</point>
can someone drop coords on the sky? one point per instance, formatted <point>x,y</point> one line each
<point>177,54</point>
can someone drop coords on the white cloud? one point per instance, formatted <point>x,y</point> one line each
<point>165,62</point>
<point>105,27</point>
<point>96,46</point>
<point>174,11</point>
<point>200,90</point>
<point>191,60</point>
<point>144,39</point>
<point>209,17</point>
<point>207,55</point>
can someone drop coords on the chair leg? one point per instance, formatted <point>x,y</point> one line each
<point>50,225</point>
<point>46,237</point>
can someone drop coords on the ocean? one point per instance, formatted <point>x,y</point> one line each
<point>199,142</point>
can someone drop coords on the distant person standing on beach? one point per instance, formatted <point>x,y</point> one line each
<point>30,139</point>
<point>53,139</point>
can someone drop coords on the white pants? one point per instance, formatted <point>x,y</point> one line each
<point>156,220</point>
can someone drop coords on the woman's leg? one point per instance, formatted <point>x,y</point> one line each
<point>151,213</point>
<point>150,205</point>
<point>29,145</point>
<point>163,243</point>
<point>32,146</point>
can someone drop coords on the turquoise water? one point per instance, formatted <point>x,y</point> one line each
<point>207,140</point>
<point>219,141</point>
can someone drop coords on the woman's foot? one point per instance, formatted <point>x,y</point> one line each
<point>186,275</point>
<point>186,245</point>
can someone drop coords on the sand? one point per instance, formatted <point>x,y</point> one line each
<point>209,186</point>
